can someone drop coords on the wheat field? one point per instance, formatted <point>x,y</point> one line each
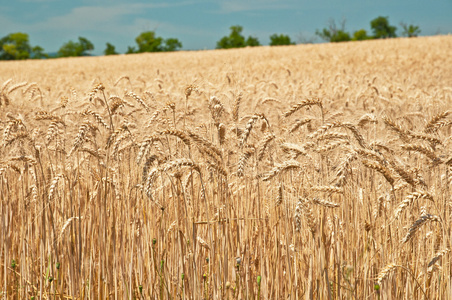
<point>299,172</point>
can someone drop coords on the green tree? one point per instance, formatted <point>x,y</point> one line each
<point>17,46</point>
<point>334,33</point>
<point>280,39</point>
<point>85,46</point>
<point>80,48</point>
<point>172,44</point>
<point>360,35</point>
<point>131,50</point>
<point>37,52</point>
<point>381,28</point>
<point>69,49</point>
<point>236,39</point>
<point>410,30</point>
<point>110,50</point>
<point>148,42</point>
<point>252,41</point>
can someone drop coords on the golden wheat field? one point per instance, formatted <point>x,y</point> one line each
<point>300,172</point>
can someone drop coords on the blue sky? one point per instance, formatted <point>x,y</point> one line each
<point>199,24</point>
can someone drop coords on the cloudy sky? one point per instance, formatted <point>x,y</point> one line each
<point>199,24</point>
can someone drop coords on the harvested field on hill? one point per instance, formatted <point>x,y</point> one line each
<point>310,171</point>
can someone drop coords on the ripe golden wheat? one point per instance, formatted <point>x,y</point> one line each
<point>323,170</point>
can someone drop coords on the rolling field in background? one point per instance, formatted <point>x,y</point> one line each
<point>300,172</point>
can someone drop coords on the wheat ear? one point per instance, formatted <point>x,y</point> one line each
<point>298,106</point>
<point>418,224</point>
<point>409,200</point>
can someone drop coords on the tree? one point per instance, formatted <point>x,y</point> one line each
<point>37,52</point>
<point>85,46</point>
<point>17,46</point>
<point>381,28</point>
<point>236,39</point>
<point>252,41</point>
<point>360,35</point>
<point>280,39</point>
<point>130,50</point>
<point>148,42</point>
<point>172,44</point>
<point>410,30</point>
<point>334,33</point>
<point>80,48</point>
<point>110,50</point>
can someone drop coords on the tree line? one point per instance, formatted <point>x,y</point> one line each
<point>16,46</point>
